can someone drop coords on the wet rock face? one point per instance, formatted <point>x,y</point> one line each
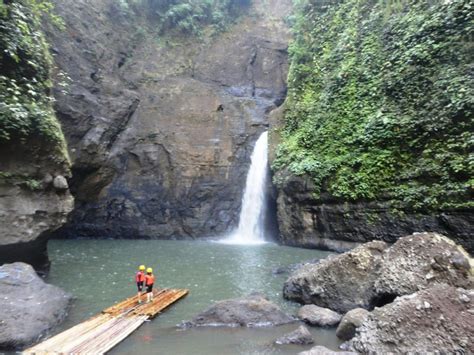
<point>251,311</point>
<point>375,274</point>
<point>28,306</point>
<point>438,319</point>
<point>34,200</point>
<point>161,130</point>
<point>331,224</point>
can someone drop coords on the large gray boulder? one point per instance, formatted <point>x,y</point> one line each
<point>319,316</point>
<point>250,311</point>
<point>300,336</point>
<point>350,322</point>
<point>341,282</point>
<point>29,307</point>
<point>436,320</point>
<point>419,260</point>
<point>375,273</point>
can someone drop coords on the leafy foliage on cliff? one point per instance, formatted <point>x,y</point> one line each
<point>380,101</point>
<point>191,16</point>
<point>25,102</point>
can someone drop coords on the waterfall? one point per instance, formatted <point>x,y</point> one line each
<point>251,220</point>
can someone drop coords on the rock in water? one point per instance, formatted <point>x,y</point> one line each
<point>322,350</point>
<point>433,320</point>
<point>375,273</point>
<point>29,307</point>
<point>251,311</point>
<point>341,282</point>
<point>300,336</point>
<point>292,267</point>
<point>351,320</point>
<point>319,316</point>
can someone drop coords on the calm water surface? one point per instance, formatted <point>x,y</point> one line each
<point>101,272</point>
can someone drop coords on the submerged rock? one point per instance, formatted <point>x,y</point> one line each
<point>351,320</point>
<point>322,350</point>
<point>300,336</point>
<point>375,273</point>
<point>250,311</point>
<point>319,316</point>
<point>29,307</point>
<point>438,319</point>
<point>292,267</point>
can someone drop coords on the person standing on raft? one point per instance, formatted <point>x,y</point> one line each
<point>149,281</point>
<point>140,279</point>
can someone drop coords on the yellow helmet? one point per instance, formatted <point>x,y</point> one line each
<point>141,268</point>
<point>149,270</point>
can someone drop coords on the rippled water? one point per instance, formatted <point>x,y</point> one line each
<point>100,272</point>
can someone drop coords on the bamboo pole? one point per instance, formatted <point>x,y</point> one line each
<point>102,332</point>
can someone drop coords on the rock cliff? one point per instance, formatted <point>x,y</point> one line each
<point>160,128</point>
<point>34,195</point>
<point>34,201</point>
<point>374,139</point>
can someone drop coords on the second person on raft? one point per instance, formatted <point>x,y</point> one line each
<point>140,279</point>
<point>149,281</point>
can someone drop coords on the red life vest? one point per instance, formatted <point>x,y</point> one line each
<point>149,280</point>
<point>140,276</point>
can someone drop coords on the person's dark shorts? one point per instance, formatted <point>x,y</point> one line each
<point>149,288</point>
<point>140,286</point>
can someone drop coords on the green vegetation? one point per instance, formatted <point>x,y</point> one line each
<point>26,112</point>
<point>192,16</point>
<point>380,101</point>
<point>22,180</point>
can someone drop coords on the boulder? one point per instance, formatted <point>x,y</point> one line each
<point>300,336</point>
<point>341,282</point>
<point>322,350</point>
<point>351,320</point>
<point>436,320</point>
<point>375,273</point>
<point>319,316</point>
<point>28,306</point>
<point>250,311</point>
<point>60,183</point>
<point>419,260</point>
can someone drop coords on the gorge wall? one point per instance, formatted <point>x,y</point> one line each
<point>375,137</point>
<point>160,127</point>
<point>34,164</point>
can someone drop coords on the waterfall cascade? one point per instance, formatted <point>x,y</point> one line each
<point>251,221</point>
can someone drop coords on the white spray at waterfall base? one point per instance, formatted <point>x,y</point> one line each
<point>251,222</point>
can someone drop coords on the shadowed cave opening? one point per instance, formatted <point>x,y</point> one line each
<point>382,300</point>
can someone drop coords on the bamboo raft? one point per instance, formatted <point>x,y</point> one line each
<point>105,330</point>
